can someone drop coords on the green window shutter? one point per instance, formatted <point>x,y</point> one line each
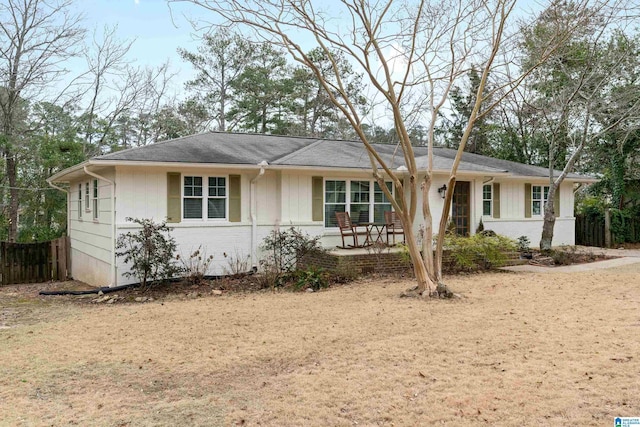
<point>317,198</point>
<point>235,198</point>
<point>527,200</point>
<point>496,200</point>
<point>174,193</point>
<point>556,202</point>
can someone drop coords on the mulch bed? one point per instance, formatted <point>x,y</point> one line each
<point>568,257</point>
<point>185,289</point>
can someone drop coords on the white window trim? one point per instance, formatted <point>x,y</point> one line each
<point>347,202</point>
<point>95,199</point>
<point>205,197</point>
<point>490,214</point>
<point>542,199</point>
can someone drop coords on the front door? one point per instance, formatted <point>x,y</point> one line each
<point>461,207</point>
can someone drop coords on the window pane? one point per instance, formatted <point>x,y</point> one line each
<point>486,192</point>
<point>217,187</point>
<point>335,192</point>
<point>379,210</point>
<point>193,186</point>
<point>537,192</point>
<point>379,196</point>
<point>216,208</point>
<point>546,193</point>
<point>360,191</point>
<point>359,213</point>
<point>486,207</point>
<point>193,208</point>
<point>536,208</point>
<point>330,214</point>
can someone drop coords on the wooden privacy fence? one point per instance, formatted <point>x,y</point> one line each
<point>35,262</point>
<point>589,231</point>
<point>596,231</point>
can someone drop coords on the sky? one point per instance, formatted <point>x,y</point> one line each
<point>158,30</point>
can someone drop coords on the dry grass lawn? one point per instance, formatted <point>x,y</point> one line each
<point>518,349</point>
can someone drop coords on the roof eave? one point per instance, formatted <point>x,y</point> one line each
<point>582,179</point>
<point>57,177</point>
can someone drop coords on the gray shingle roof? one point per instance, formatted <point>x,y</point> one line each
<point>251,149</point>
<point>214,147</point>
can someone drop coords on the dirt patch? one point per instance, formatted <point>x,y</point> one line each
<point>567,256</point>
<point>517,349</point>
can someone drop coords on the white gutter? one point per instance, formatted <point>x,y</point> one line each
<point>114,265</point>
<point>253,207</point>
<point>366,169</point>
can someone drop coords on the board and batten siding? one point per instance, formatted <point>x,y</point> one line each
<point>143,193</point>
<point>91,239</point>
<point>515,213</point>
<point>297,197</point>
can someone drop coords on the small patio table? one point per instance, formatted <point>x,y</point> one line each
<point>375,230</point>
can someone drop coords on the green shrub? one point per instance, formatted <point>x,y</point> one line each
<point>150,251</point>
<point>524,244</point>
<point>314,278</point>
<point>283,249</point>
<point>479,251</point>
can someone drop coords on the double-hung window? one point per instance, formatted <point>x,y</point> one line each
<point>80,207</point>
<point>487,200</point>
<point>381,203</point>
<point>335,200</point>
<point>95,199</point>
<point>87,199</point>
<point>196,200</point>
<point>539,196</point>
<point>360,201</point>
<point>217,201</point>
<point>365,201</point>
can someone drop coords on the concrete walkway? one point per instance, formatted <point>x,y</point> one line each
<point>628,256</point>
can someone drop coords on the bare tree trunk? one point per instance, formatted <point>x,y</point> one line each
<point>425,286</point>
<point>12,175</point>
<point>549,221</point>
<point>427,238</point>
<point>444,221</point>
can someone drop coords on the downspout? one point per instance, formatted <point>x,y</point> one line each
<point>253,207</point>
<point>114,268</point>
<point>578,187</point>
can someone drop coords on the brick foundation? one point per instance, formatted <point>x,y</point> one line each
<point>360,261</point>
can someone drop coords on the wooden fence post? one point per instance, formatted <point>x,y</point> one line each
<point>607,228</point>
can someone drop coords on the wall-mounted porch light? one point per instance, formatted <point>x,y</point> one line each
<point>443,190</point>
